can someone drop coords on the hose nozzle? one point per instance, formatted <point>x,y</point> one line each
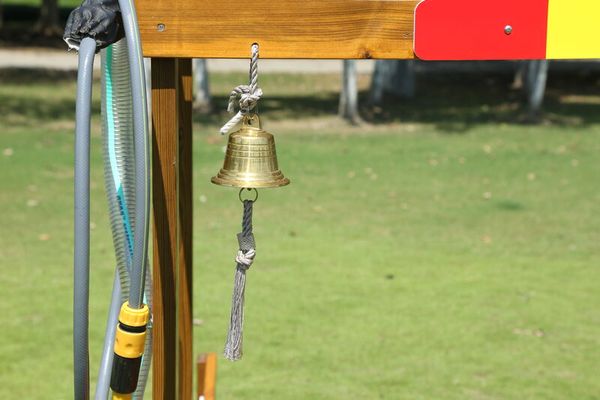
<point>129,349</point>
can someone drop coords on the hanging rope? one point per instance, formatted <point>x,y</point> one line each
<point>247,96</point>
<point>244,259</point>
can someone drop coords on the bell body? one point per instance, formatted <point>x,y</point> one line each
<point>250,159</point>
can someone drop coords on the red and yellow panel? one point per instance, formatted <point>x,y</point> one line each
<point>507,29</point>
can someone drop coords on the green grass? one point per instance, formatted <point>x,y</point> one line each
<point>440,251</point>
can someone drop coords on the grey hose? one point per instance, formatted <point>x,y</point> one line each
<point>117,132</point>
<point>142,177</point>
<point>142,154</point>
<point>109,341</point>
<point>87,49</point>
<point>119,180</point>
<point>82,220</point>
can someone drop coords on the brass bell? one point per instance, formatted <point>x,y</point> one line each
<point>250,159</point>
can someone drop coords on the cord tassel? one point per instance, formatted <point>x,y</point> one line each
<point>244,259</point>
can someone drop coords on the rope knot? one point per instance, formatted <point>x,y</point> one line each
<point>246,96</point>
<point>246,101</point>
<point>245,260</point>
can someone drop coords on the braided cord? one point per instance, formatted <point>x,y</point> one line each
<point>244,259</point>
<point>247,219</point>
<point>254,69</point>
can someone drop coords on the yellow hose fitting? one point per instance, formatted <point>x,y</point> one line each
<point>134,316</point>
<point>130,339</point>
<point>131,331</point>
<point>129,344</point>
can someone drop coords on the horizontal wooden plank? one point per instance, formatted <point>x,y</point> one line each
<point>335,29</point>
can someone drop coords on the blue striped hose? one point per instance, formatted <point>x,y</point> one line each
<point>120,180</point>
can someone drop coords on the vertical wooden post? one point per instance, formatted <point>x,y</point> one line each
<point>165,140</point>
<point>186,226</point>
<point>172,208</point>
<point>207,376</point>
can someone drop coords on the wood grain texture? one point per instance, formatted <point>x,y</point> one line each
<point>165,125</point>
<point>185,290</point>
<point>207,376</point>
<point>342,29</point>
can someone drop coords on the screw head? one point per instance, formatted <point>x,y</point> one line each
<point>508,29</point>
<point>160,27</point>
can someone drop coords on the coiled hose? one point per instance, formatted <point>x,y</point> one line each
<point>119,179</point>
<point>87,49</point>
<point>119,176</point>
<point>142,153</point>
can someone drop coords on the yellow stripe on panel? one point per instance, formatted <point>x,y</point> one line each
<point>573,29</point>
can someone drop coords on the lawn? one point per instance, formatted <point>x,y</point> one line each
<point>441,250</point>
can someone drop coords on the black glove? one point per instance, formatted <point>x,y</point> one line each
<point>99,19</point>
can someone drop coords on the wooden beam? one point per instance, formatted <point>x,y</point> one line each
<point>207,376</point>
<point>165,229</point>
<point>343,29</point>
<point>186,219</point>
<point>172,228</point>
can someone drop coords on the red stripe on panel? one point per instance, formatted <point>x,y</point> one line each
<point>481,29</point>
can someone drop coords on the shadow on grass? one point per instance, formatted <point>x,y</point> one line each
<point>28,113</point>
<point>49,95</point>
<point>277,108</point>
<point>452,102</point>
<point>30,76</point>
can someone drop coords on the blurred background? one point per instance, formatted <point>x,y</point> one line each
<point>440,239</point>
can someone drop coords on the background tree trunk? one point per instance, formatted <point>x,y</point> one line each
<point>1,15</point>
<point>381,75</point>
<point>202,98</point>
<point>403,83</point>
<point>537,75</point>
<point>348,108</point>
<point>49,22</point>
<point>519,78</point>
<point>395,77</point>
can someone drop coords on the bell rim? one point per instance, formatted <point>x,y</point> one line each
<point>250,185</point>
